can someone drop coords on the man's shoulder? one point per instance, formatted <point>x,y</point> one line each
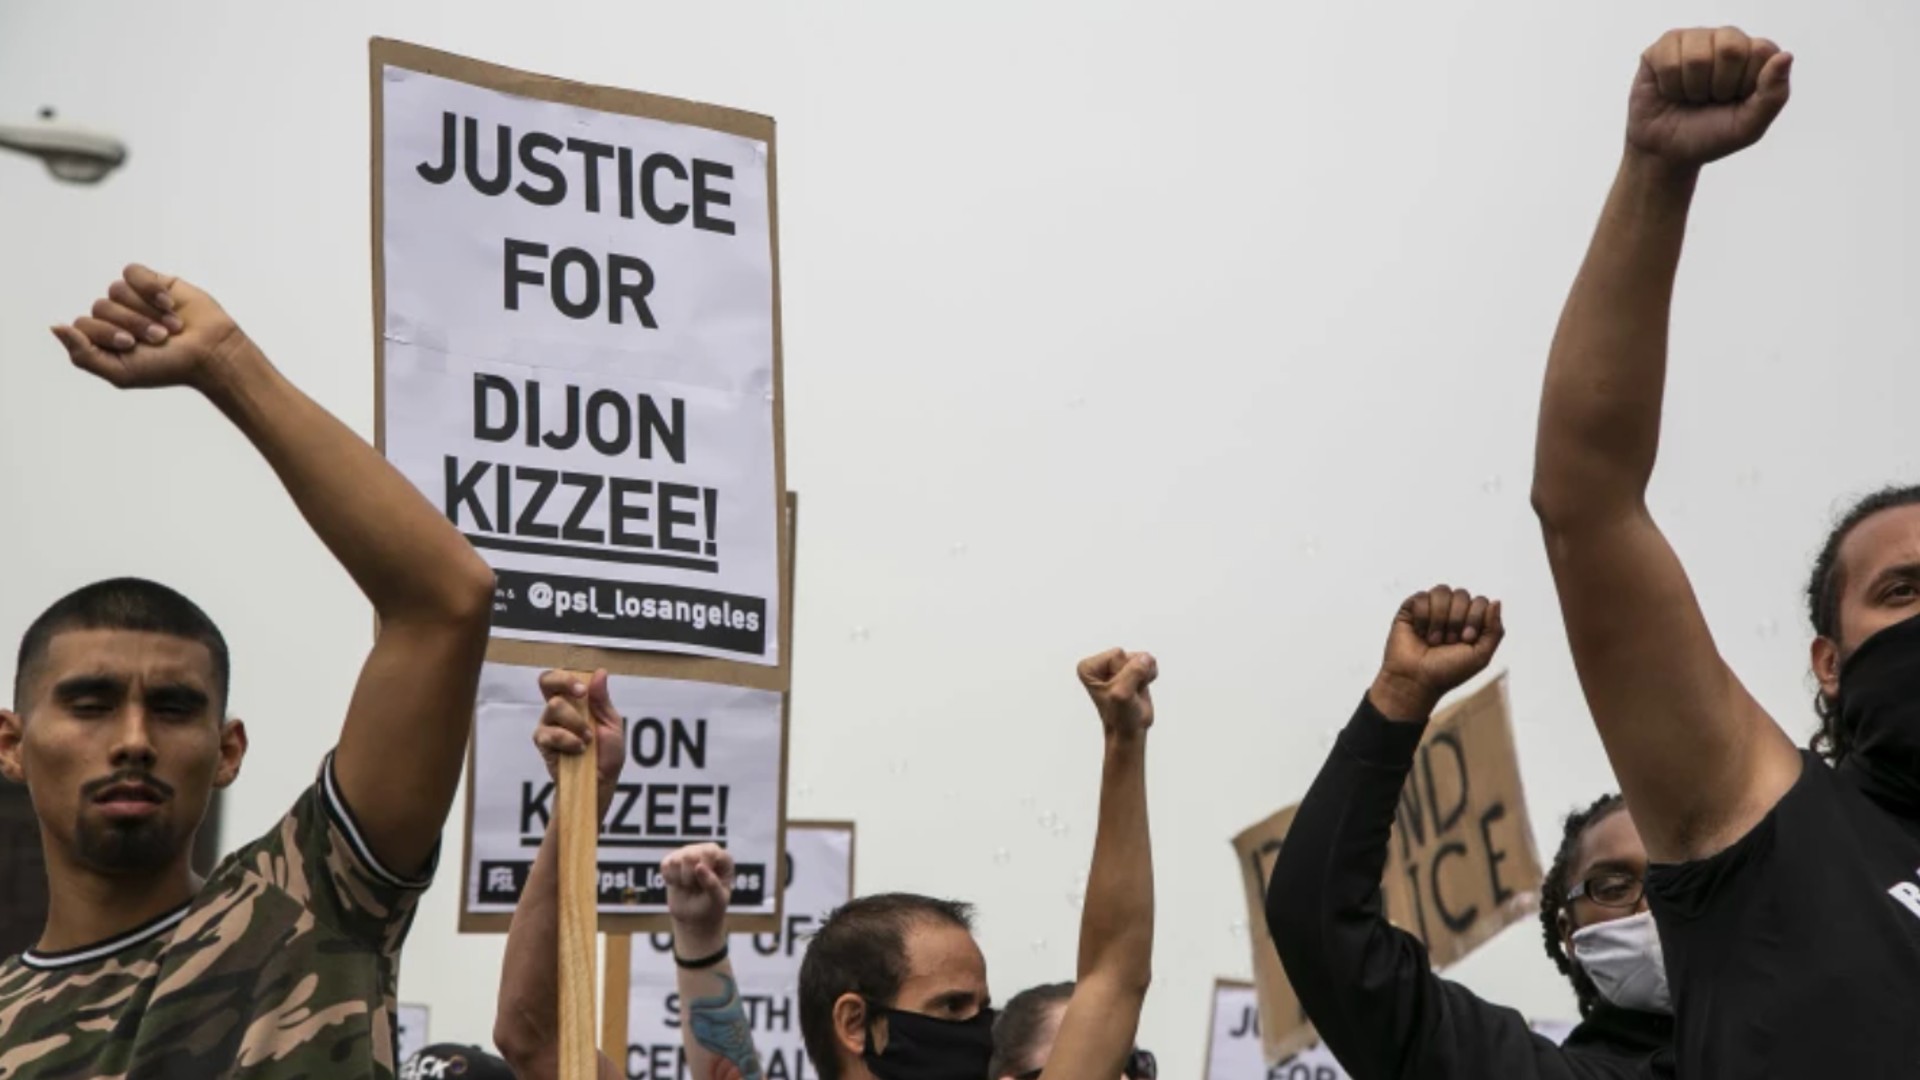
<point>13,975</point>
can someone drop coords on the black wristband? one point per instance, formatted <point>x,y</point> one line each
<point>703,962</point>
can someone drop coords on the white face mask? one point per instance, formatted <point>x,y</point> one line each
<point>1623,959</point>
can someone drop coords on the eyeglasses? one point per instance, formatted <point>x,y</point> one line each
<point>1611,888</point>
<point>1140,1066</point>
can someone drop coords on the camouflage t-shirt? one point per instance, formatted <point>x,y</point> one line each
<point>284,965</point>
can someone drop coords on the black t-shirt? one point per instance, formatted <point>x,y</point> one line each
<point>1796,952</point>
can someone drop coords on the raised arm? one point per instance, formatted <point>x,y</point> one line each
<point>1116,926</point>
<point>526,1022</point>
<point>1367,985</point>
<point>1698,759</point>
<point>715,1031</point>
<point>405,735</point>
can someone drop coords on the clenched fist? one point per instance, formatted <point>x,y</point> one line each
<point>1703,94</point>
<point>152,330</point>
<point>579,709</point>
<point>1440,639</point>
<point>1117,681</point>
<point>699,887</point>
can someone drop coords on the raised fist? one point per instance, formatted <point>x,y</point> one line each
<point>151,330</point>
<point>579,709</point>
<point>699,887</point>
<point>1117,681</point>
<point>1440,639</point>
<point>1703,94</point>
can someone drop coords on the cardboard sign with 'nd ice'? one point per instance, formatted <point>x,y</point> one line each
<point>578,345</point>
<point>704,764</point>
<point>1233,1042</point>
<point>819,870</point>
<point>1461,862</point>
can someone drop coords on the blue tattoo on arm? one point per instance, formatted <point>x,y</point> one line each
<point>719,1024</point>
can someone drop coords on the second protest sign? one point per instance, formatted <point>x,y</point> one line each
<point>703,764</point>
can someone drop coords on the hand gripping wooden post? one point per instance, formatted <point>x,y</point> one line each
<point>579,885</point>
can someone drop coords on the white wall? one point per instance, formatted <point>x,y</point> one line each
<point>1207,328</point>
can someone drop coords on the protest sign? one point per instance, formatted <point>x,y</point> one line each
<point>578,353</point>
<point>1233,1042</point>
<point>819,873</point>
<point>1461,862</point>
<point>1284,1026</point>
<point>410,1030</point>
<point>705,762</point>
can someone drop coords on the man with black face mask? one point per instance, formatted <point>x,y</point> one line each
<point>1787,893</point>
<point>1367,985</point>
<point>893,986</point>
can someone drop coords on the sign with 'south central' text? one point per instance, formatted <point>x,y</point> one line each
<point>576,292</point>
<point>818,878</point>
<point>703,764</point>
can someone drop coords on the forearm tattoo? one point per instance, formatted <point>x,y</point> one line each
<point>720,1026</point>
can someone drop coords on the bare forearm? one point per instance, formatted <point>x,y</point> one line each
<point>1116,926</point>
<point>407,559</point>
<point>1600,410</point>
<point>526,1022</point>
<point>714,1028</point>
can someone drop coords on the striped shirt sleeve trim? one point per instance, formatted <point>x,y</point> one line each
<point>343,817</point>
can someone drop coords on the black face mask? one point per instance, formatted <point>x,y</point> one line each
<point>924,1048</point>
<point>1879,706</point>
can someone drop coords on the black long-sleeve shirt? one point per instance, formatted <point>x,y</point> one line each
<point>1368,987</point>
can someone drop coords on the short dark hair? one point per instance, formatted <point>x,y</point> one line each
<point>861,948</point>
<point>1833,742</point>
<point>1016,1031</point>
<point>1553,894</point>
<point>117,604</point>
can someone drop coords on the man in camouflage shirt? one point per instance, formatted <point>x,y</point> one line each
<point>283,962</point>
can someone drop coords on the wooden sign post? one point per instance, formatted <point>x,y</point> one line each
<point>579,826</point>
<point>613,1016</point>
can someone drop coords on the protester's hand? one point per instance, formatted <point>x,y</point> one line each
<point>1703,94</point>
<point>699,887</point>
<point>152,330</point>
<point>579,708</point>
<point>1117,681</point>
<point>1440,639</point>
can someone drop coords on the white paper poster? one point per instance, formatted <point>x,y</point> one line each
<point>1233,1046</point>
<point>579,362</point>
<point>702,766</point>
<point>766,966</point>
<point>411,1030</point>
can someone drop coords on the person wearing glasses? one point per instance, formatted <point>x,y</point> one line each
<point>1023,1036</point>
<point>1368,987</point>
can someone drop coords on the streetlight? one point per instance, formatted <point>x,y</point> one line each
<point>71,154</point>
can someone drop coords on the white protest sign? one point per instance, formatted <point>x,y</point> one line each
<point>1233,1043</point>
<point>1234,1051</point>
<point>703,765</point>
<point>578,348</point>
<point>766,967</point>
<point>410,1032</point>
